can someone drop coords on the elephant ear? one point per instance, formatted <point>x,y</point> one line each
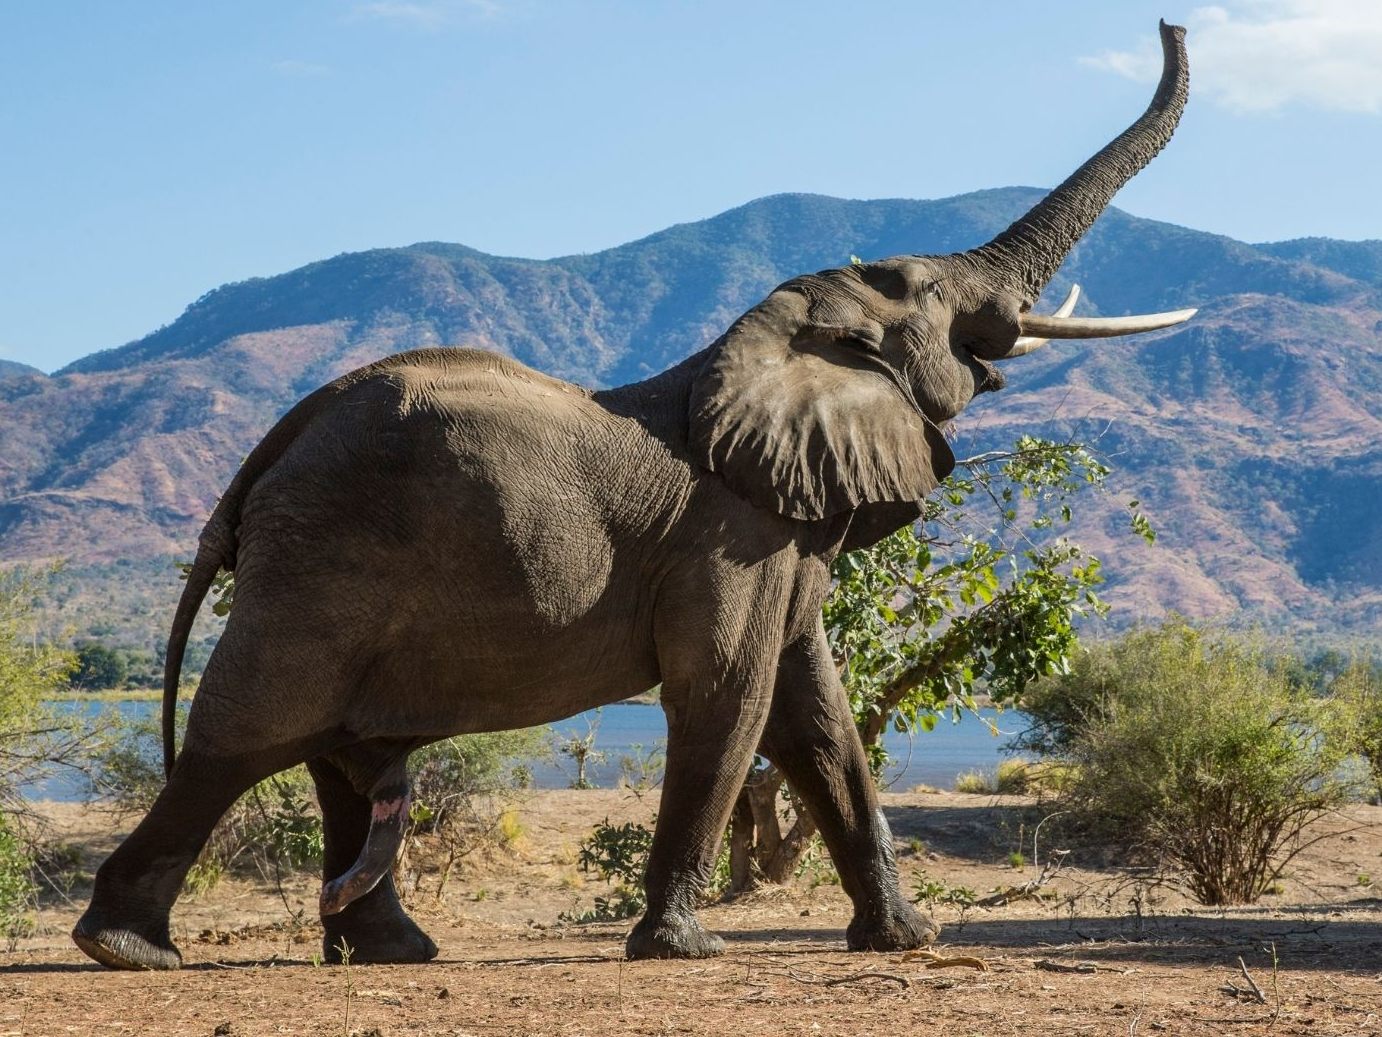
<point>798,414</point>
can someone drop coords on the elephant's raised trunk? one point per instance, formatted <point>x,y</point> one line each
<point>1027,254</point>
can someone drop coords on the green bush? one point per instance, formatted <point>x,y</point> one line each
<point>1357,689</point>
<point>17,889</point>
<point>99,668</point>
<point>462,788</point>
<point>619,856</point>
<point>1010,778</point>
<point>31,736</point>
<point>450,775</point>
<point>929,891</point>
<point>31,670</point>
<point>1197,749</point>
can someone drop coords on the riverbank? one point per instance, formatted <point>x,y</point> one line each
<point>116,695</point>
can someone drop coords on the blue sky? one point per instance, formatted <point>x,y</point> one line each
<point>150,151</point>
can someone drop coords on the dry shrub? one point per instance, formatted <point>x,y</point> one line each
<point>1010,778</point>
<point>1195,748</point>
<point>463,790</point>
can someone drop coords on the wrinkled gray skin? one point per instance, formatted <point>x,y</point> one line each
<point>447,542</point>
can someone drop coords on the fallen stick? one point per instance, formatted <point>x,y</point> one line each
<point>902,980</point>
<point>940,961</point>
<point>817,981</point>
<point>1084,968</point>
<point>1252,985</point>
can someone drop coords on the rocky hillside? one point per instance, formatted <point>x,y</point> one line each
<point>1251,435</point>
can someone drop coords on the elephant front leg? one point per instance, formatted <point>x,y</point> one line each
<point>812,739</point>
<point>713,728</point>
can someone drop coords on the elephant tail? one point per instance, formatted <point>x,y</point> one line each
<point>199,580</point>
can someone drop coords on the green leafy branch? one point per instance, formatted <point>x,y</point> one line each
<point>980,597</point>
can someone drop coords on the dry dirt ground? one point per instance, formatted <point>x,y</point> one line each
<point>1111,953</point>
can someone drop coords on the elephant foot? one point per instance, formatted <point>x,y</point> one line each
<point>900,928</point>
<point>385,936</point>
<point>672,936</point>
<point>120,947</point>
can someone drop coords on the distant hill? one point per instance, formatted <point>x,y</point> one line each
<point>1251,435</point>
<point>1360,260</point>
<point>14,369</point>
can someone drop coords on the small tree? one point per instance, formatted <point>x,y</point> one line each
<point>921,619</point>
<point>1355,686</point>
<point>31,737</point>
<point>580,749</point>
<point>99,668</point>
<point>1195,749</point>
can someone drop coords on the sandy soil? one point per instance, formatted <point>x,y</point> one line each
<point>1111,953</point>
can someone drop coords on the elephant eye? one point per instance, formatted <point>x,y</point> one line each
<point>929,291</point>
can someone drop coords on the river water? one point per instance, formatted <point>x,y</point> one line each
<point>634,730</point>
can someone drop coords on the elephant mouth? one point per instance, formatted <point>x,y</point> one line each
<point>987,377</point>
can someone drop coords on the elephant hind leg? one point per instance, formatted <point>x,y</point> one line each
<point>126,924</point>
<point>371,926</point>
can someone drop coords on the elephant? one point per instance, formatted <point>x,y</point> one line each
<point>446,541</point>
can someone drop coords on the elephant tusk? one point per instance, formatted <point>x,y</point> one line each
<point>1103,327</point>
<point>1027,343</point>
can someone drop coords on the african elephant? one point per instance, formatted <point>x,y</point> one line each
<point>446,541</point>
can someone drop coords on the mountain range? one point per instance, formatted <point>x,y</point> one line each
<point>1250,435</point>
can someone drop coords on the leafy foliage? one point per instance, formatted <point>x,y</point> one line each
<point>1356,690</point>
<point>222,588</point>
<point>616,854</point>
<point>1196,748</point>
<point>31,670</point>
<point>619,856</point>
<point>17,888</point>
<point>31,735</point>
<point>929,891</point>
<point>922,620</point>
<point>450,773</point>
<point>99,667</point>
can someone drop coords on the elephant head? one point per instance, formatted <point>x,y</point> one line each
<point>829,394</point>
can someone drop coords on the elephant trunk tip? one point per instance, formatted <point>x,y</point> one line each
<point>1027,254</point>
